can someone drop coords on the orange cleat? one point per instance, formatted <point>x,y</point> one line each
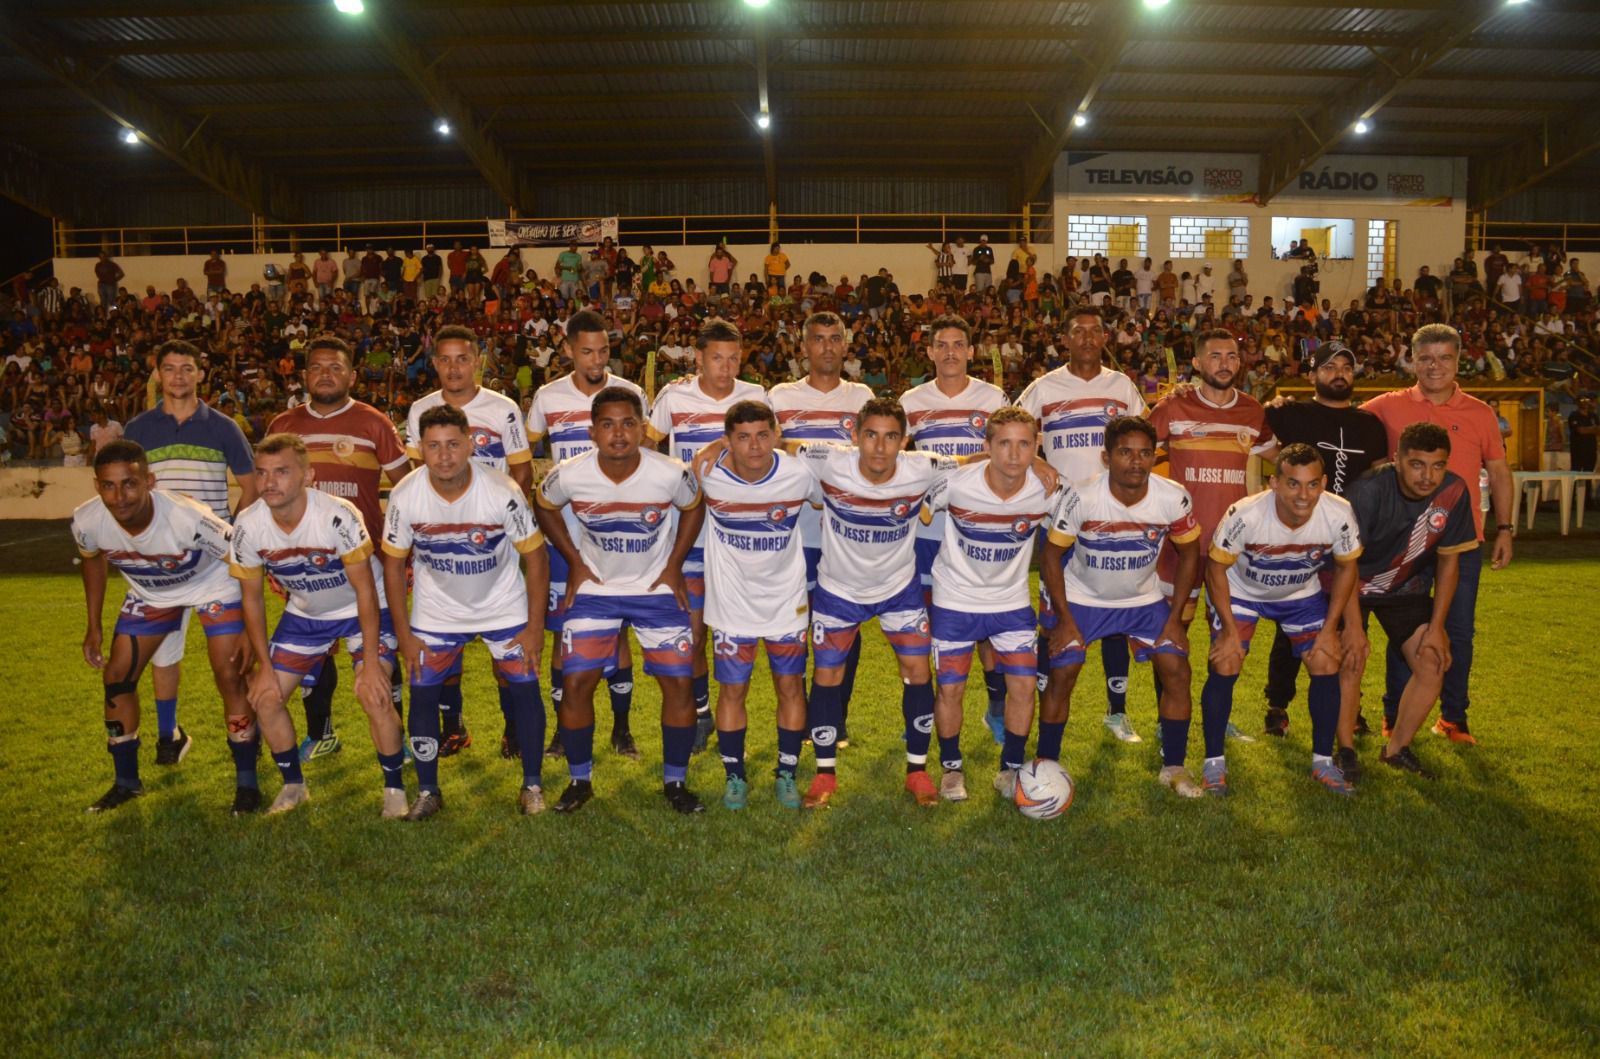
<point>1455,731</point>
<point>920,784</point>
<point>823,787</point>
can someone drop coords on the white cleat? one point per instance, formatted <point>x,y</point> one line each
<point>1238,736</point>
<point>292,796</point>
<point>1119,725</point>
<point>395,805</point>
<point>1178,779</point>
<point>953,786</point>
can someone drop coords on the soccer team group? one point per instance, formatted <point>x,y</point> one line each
<point>788,517</point>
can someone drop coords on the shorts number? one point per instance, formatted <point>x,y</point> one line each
<point>724,645</point>
<point>818,632</point>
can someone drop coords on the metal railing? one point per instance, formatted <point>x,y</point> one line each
<point>1573,237</point>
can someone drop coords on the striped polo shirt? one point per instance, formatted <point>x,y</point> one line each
<point>193,457</point>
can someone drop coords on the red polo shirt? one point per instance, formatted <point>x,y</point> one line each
<point>1474,431</point>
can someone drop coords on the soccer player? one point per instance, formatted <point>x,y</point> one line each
<point>467,525</point>
<point>949,415</point>
<point>993,510</point>
<point>1350,441</point>
<point>1115,525</point>
<point>688,414</point>
<point>823,406</point>
<point>755,589</point>
<point>1073,404</point>
<point>317,548</point>
<point>1417,519</point>
<point>173,553</point>
<point>191,448</point>
<point>1267,556</point>
<point>352,447</point>
<point>498,443</point>
<point>561,414</point>
<point>626,568</point>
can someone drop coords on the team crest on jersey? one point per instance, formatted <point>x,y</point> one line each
<point>1020,526</point>
<point>214,608</point>
<point>847,424</point>
<point>319,560</point>
<point>778,514</point>
<point>1152,534</point>
<point>477,536</point>
<point>1111,410</point>
<point>652,515</point>
<point>344,448</point>
<point>1436,518</point>
<point>169,564</point>
<point>901,509</point>
<point>978,421</point>
<point>480,440</point>
<point>683,645</point>
<point>922,626</point>
<point>1245,436</point>
<point>1316,554</point>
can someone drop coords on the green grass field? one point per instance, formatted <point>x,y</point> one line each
<point>1456,918</point>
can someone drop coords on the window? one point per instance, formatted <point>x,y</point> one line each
<point>1219,238</point>
<point>1381,251</point>
<point>1093,233</point>
<point>1330,237</point>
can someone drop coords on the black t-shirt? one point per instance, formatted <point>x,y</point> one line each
<point>1122,281</point>
<point>1583,445</point>
<point>1428,286</point>
<point>983,258</point>
<point>1402,538</point>
<point>1350,440</point>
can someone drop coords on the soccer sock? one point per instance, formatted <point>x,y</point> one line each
<point>1050,733</point>
<point>579,745</point>
<point>508,708</point>
<point>392,765</point>
<point>423,724</point>
<point>847,687</point>
<point>730,741</point>
<point>677,743</point>
<point>619,682</point>
<point>1174,741</point>
<point>288,762</point>
<point>526,722</point>
<point>916,706</point>
<point>995,682</point>
<point>167,718</point>
<point>789,740</point>
<point>822,713</point>
<point>125,761</point>
<point>1015,749</point>
<point>449,708</point>
<point>318,700</point>
<point>1323,698</point>
<point>701,686</point>
<point>1114,658</point>
<point>244,760</point>
<point>950,752</point>
<point>1216,705</point>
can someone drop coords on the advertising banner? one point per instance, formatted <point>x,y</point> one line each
<point>587,231</point>
<point>1198,177</point>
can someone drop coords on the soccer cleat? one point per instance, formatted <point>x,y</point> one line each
<point>1119,725</point>
<point>292,796</point>
<point>622,743</point>
<point>704,724</point>
<point>394,803</point>
<point>1332,777</point>
<point>171,751</point>
<point>1277,721</point>
<point>428,804</point>
<point>997,727</point>
<point>508,745</point>
<point>530,800</point>
<point>844,738</point>
<point>1178,779</point>
<point>1455,731</point>
<point>681,798</point>
<point>1349,764</point>
<point>824,785</point>
<point>115,798</point>
<point>246,800</point>
<point>555,749</point>
<point>1237,735</point>
<point>1362,728</point>
<point>572,799</point>
<point>1406,761</point>
<point>312,747</point>
<point>455,742</point>
<point>953,786</point>
<point>735,793</point>
<point>787,791</point>
<point>920,784</point>
<point>1005,784</point>
<point>1214,778</point>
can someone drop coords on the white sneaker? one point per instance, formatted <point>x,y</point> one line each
<point>292,795</point>
<point>395,805</point>
<point>1237,735</point>
<point>953,786</point>
<point>1177,777</point>
<point>1119,726</point>
<point>1005,784</point>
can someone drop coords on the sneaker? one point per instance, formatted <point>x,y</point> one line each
<point>508,745</point>
<point>681,798</point>
<point>736,793</point>
<point>1005,784</point>
<point>997,727</point>
<point>171,751</point>
<point>454,743</point>
<point>953,786</point>
<point>1277,722</point>
<point>1236,734</point>
<point>530,800</point>
<point>1349,764</point>
<point>1362,728</point>
<point>1406,761</point>
<point>787,790</point>
<point>1332,777</point>
<point>1214,778</point>
<point>572,799</point>
<point>704,725</point>
<point>555,749</point>
<point>622,743</point>
<point>115,798</point>
<point>311,747</point>
<point>920,784</point>
<point>428,804</point>
<point>1455,731</point>
<point>1177,777</point>
<point>246,800</point>
<point>1119,725</point>
<point>290,797</point>
<point>824,785</point>
<point>394,803</point>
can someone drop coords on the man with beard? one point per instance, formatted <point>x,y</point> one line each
<point>1349,441</point>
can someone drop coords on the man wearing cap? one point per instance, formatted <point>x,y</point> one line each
<point>1349,441</point>
<point>982,265</point>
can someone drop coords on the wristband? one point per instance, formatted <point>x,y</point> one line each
<point>1506,527</point>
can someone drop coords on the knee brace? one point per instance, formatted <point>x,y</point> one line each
<point>115,734</point>
<point>117,688</point>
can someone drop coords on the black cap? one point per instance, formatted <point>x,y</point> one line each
<point>1327,351</point>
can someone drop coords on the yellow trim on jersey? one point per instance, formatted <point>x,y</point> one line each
<point>87,555</point>
<point>1349,557</point>
<point>1220,556</point>
<point>544,501</point>
<point>519,457</point>
<point>530,544</point>
<point>1457,549</point>
<point>1208,445</point>
<point>366,461</point>
<point>1185,538</point>
<point>1059,539</point>
<point>389,549</point>
<point>653,434</point>
<point>698,500</point>
<point>358,555</point>
<point>245,573</point>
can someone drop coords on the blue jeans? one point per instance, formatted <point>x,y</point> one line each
<point>1460,626</point>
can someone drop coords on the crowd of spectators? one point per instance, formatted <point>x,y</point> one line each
<point>77,363</point>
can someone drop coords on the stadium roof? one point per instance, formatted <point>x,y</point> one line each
<point>260,98</point>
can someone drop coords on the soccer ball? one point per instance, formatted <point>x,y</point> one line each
<point>1044,790</point>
